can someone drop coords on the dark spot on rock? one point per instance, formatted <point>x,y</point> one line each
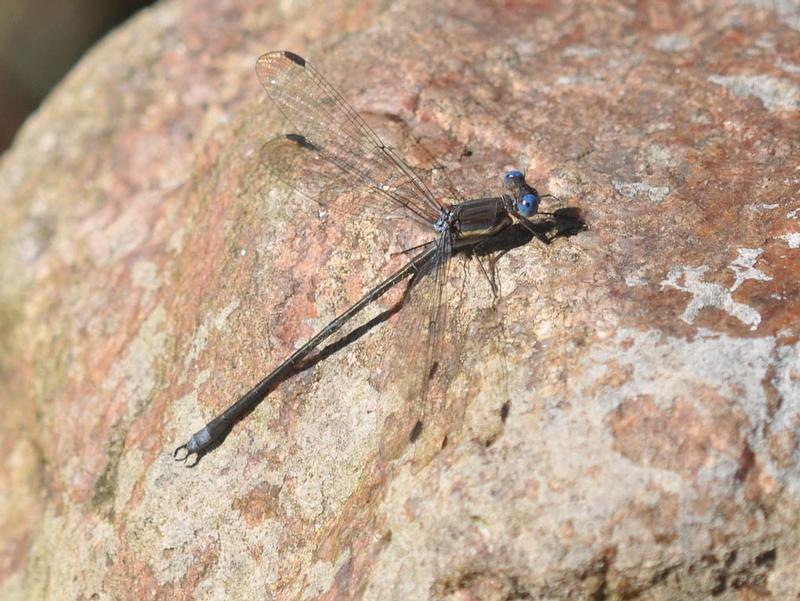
<point>719,585</point>
<point>415,431</point>
<point>767,558</point>
<point>504,410</point>
<point>746,462</point>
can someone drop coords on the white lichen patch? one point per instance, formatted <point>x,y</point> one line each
<point>776,94</point>
<point>634,279</point>
<point>763,206</point>
<point>792,68</point>
<point>664,156</point>
<point>708,294</point>
<point>743,267</point>
<point>581,52</point>
<point>740,369</point>
<point>222,317</point>
<point>632,189</point>
<point>792,239</point>
<point>665,367</point>
<point>577,80</point>
<point>788,10</point>
<point>672,42</point>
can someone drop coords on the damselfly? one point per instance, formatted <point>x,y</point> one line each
<point>336,159</point>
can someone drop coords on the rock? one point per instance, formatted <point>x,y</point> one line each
<point>151,274</point>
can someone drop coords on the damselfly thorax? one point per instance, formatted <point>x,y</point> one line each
<point>478,218</point>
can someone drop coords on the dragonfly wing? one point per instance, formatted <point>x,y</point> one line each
<point>329,181</point>
<point>426,355</point>
<point>449,355</point>
<point>324,123</point>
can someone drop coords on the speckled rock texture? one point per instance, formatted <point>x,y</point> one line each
<point>151,274</point>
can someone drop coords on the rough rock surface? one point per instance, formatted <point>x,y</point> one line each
<point>149,276</point>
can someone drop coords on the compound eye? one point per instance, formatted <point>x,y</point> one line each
<point>512,177</point>
<point>528,204</point>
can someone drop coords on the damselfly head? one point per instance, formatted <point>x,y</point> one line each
<point>512,179</point>
<point>528,204</point>
<point>526,199</point>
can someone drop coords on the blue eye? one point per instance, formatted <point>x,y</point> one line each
<point>528,204</point>
<point>512,177</point>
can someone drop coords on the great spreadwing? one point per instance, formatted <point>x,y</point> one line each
<point>336,159</point>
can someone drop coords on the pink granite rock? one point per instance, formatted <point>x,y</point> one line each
<point>151,274</point>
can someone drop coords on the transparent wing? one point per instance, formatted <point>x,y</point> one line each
<point>333,142</point>
<point>324,179</point>
<point>449,354</point>
<point>426,356</point>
